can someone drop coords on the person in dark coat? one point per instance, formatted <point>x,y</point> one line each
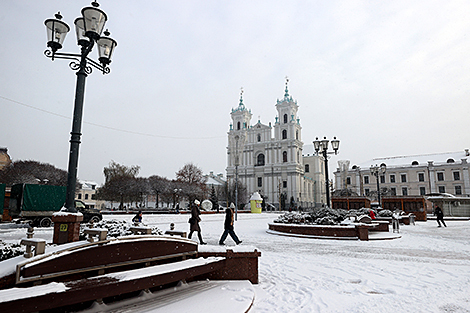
<point>137,218</point>
<point>228,226</point>
<point>194,222</point>
<point>439,216</point>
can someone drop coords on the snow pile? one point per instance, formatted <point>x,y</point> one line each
<point>115,228</point>
<point>322,216</point>
<point>326,216</point>
<point>10,250</point>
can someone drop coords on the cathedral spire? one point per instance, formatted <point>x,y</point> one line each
<point>286,95</point>
<point>241,96</point>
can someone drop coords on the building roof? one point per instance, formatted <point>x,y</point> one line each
<point>417,160</point>
<point>216,180</point>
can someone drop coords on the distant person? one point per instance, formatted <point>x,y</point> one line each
<point>372,214</point>
<point>228,226</point>
<point>439,216</point>
<point>177,208</point>
<point>137,218</point>
<point>194,221</point>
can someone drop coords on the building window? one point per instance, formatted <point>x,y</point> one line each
<point>284,184</point>
<point>393,191</point>
<point>285,118</point>
<point>382,179</point>
<point>404,191</point>
<point>259,137</point>
<point>284,156</point>
<point>260,160</point>
<point>440,176</point>
<point>284,134</point>
<point>297,135</point>
<point>442,189</point>
<point>366,180</point>
<point>458,190</point>
<point>86,196</point>
<point>422,191</point>
<point>307,168</point>
<point>260,181</point>
<point>348,180</point>
<point>79,196</point>
<point>392,178</point>
<point>420,176</point>
<point>238,125</point>
<point>403,178</point>
<point>367,191</point>
<point>456,175</point>
<point>93,197</point>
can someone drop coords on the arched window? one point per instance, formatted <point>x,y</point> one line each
<point>297,135</point>
<point>238,125</point>
<point>284,134</point>
<point>259,137</point>
<point>307,168</point>
<point>260,160</point>
<point>450,160</point>
<point>285,118</point>
<point>284,156</point>
<point>415,163</point>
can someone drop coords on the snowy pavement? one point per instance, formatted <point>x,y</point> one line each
<point>426,270</point>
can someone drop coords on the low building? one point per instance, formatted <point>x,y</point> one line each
<point>87,194</point>
<point>414,175</point>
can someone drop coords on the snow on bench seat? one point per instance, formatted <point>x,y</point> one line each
<point>226,296</point>
<point>53,295</point>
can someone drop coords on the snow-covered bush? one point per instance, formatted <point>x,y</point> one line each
<point>294,218</point>
<point>10,250</point>
<point>321,216</point>
<point>115,228</point>
<point>385,213</point>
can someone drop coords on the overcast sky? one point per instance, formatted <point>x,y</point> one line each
<point>385,77</point>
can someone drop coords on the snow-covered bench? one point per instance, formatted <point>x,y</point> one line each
<point>59,294</point>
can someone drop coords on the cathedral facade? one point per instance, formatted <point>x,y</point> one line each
<point>269,159</point>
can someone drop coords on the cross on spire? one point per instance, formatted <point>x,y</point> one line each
<point>286,95</point>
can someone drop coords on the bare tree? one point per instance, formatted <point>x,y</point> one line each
<point>33,172</point>
<point>193,181</point>
<point>158,186</point>
<point>115,169</point>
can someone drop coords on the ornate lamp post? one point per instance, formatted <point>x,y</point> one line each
<point>323,146</point>
<point>88,29</point>
<point>378,171</point>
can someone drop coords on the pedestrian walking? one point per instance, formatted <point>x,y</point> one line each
<point>228,226</point>
<point>194,221</point>
<point>439,216</point>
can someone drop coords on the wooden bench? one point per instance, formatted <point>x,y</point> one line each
<point>111,255</point>
<point>101,233</point>
<point>56,295</point>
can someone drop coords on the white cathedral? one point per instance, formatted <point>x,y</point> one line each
<point>276,167</point>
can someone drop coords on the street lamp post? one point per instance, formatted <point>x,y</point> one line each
<point>237,162</point>
<point>323,146</point>
<point>88,29</point>
<point>378,171</point>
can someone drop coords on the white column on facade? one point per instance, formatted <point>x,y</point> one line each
<point>432,178</point>
<point>358,183</point>
<point>466,180</point>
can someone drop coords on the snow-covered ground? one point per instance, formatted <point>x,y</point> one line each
<point>426,270</point>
